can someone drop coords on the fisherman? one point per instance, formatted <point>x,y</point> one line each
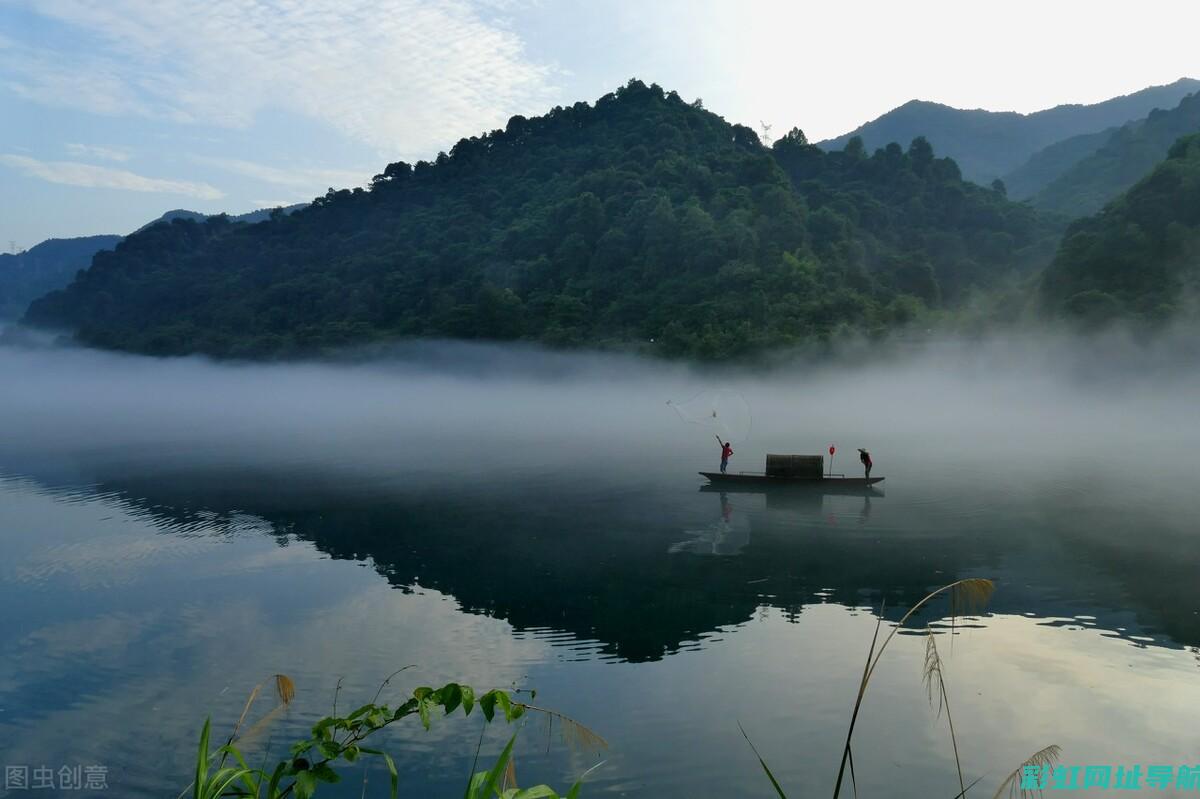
<point>726,451</point>
<point>865,457</point>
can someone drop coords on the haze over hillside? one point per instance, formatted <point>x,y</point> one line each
<point>1128,154</point>
<point>27,275</point>
<point>52,264</point>
<point>991,144</point>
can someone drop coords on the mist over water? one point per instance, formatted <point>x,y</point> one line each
<point>508,515</point>
<point>1029,406</point>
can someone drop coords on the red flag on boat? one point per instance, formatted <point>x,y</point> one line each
<point>832,449</point>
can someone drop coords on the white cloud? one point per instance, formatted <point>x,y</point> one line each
<point>406,76</point>
<point>72,173</point>
<point>92,151</point>
<point>309,178</point>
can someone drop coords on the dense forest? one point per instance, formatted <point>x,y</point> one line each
<point>1126,156</point>
<point>992,144</point>
<point>641,221</point>
<point>1139,258</point>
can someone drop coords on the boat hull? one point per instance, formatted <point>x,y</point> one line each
<point>766,481</point>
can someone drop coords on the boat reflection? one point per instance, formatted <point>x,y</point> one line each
<point>728,535</point>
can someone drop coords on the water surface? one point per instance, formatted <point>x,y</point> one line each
<point>175,532</point>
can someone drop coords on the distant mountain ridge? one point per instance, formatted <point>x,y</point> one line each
<point>52,264</point>
<point>27,275</point>
<point>1127,155</point>
<point>990,144</point>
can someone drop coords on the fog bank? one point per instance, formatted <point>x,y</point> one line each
<point>428,411</point>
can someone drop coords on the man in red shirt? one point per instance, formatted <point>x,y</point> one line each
<point>726,451</point>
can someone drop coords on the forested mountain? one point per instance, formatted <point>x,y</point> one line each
<point>53,263</point>
<point>1128,155</point>
<point>638,221</point>
<point>1049,163</point>
<point>1139,258</point>
<point>991,144</point>
<point>43,268</point>
<point>910,215</point>
<point>251,217</point>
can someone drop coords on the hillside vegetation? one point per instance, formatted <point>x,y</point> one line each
<point>1139,258</point>
<point>1128,155</point>
<point>641,221</point>
<point>48,266</point>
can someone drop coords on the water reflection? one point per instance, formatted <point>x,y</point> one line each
<point>130,584</point>
<point>725,536</point>
<point>625,565</point>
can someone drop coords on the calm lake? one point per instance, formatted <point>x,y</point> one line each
<point>175,532</point>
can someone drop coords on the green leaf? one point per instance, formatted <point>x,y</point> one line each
<point>329,749</point>
<point>422,692</point>
<point>391,767</point>
<point>351,753</point>
<point>468,699</point>
<point>361,711</point>
<point>408,708</point>
<point>276,777</point>
<point>251,778</point>
<point>487,703</point>
<point>324,773</point>
<point>493,776</point>
<point>475,786</point>
<point>202,761</point>
<point>763,763</point>
<point>451,695</point>
<point>536,792</point>
<point>306,785</point>
<point>424,710</point>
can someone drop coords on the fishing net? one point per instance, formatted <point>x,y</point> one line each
<point>724,413</point>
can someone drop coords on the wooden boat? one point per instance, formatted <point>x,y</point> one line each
<point>792,471</point>
<point>758,479</point>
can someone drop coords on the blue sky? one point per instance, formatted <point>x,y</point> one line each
<point>113,111</point>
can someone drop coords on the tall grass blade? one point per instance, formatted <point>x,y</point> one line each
<point>482,789</point>
<point>966,595</point>
<point>862,688</point>
<point>578,786</point>
<point>1041,759</point>
<point>933,674</point>
<point>198,783</point>
<point>763,763</point>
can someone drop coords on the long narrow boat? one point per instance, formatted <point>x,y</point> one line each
<point>768,480</point>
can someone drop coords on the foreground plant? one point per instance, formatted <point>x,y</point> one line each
<point>966,596</point>
<point>337,741</point>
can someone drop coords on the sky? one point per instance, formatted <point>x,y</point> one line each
<point>114,111</point>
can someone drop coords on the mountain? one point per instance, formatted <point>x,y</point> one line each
<point>1048,164</point>
<point>990,144</point>
<point>48,266</point>
<point>923,230</point>
<point>1128,155</point>
<point>640,221</point>
<point>52,264</point>
<point>251,218</point>
<point>1139,258</point>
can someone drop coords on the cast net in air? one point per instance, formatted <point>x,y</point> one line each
<point>724,413</point>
